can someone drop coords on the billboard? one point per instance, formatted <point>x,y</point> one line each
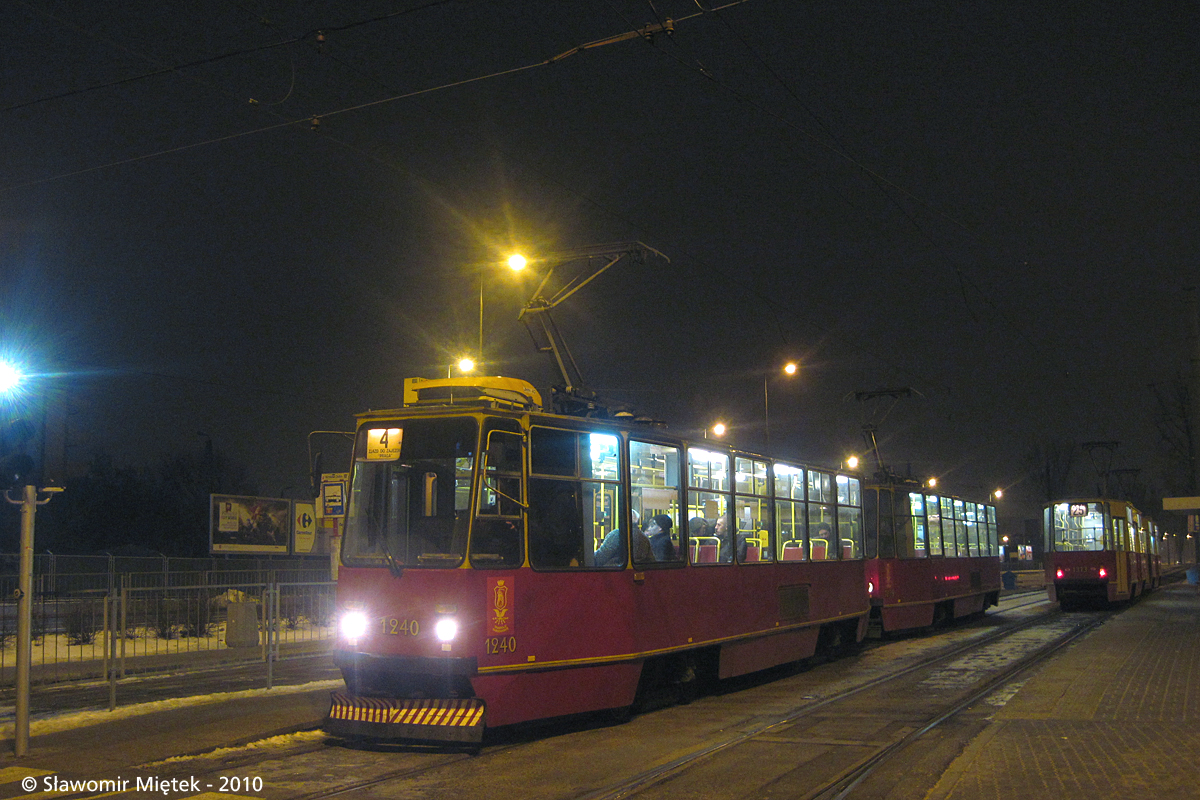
<point>261,525</point>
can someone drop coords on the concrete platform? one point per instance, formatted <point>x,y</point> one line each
<point>1116,715</point>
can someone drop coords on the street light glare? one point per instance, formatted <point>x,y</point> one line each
<point>790,368</point>
<point>719,429</point>
<point>10,376</point>
<point>466,365</point>
<point>516,262</point>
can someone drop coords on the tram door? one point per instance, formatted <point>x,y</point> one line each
<point>1121,546</point>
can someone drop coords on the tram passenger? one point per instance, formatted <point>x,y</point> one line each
<point>658,532</point>
<point>820,542</point>
<point>609,554</point>
<point>728,537</point>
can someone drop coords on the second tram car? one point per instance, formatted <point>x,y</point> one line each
<point>930,558</point>
<point>1099,550</point>
<point>502,564</point>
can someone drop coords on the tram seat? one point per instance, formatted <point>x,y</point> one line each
<point>705,549</point>
<point>753,552</point>
<point>819,548</point>
<point>793,550</point>
<point>847,548</point>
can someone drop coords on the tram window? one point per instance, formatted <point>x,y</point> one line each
<point>971,523</point>
<point>556,523</point>
<point>708,470</point>
<point>553,452</point>
<point>497,537</point>
<point>752,512</point>
<point>933,525</point>
<point>654,484</point>
<point>574,520</point>
<point>408,507</point>
<point>790,512</point>
<point>849,492</point>
<point>791,518</point>
<point>916,517</point>
<point>822,546</point>
<point>820,487</point>
<point>993,537</point>
<point>789,482</point>
<point>709,528</point>
<point>1077,526</point>
<point>849,532</point>
<point>960,527</point>
<point>949,537</point>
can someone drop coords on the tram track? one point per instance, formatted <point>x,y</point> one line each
<point>665,772</point>
<point>431,761</point>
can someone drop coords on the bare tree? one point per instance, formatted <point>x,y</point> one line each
<point>1050,463</point>
<point>1174,421</point>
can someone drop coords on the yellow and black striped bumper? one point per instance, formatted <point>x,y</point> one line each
<point>434,719</point>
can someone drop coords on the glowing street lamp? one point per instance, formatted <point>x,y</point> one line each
<point>718,429</point>
<point>931,483</point>
<point>516,262</point>
<point>789,369</point>
<point>465,365</point>
<point>999,493</point>
<point>10,377</point>
<point>852,462</point>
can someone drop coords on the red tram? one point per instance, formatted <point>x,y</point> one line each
<point>493,570</point>
<point>1099,550</point>
<point>931,558</point>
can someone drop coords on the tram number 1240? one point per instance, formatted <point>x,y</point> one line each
<point>501,644</point>
<point>400,627</point>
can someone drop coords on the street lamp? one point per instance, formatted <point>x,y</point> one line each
<point>717,429</point>
<point>789,369</point>
<point>465,366</point>
<point>10,377</point>
<point>516,262</point>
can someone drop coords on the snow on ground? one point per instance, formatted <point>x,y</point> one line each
<point>52,722</point>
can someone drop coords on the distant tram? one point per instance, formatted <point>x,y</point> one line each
<point>502,564</point>
<point>931,558</point>
<point>1099,550</point>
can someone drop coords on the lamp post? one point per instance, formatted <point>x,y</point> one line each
<point>10,380</point>
<point>789,369</point>
<point>516,262</point>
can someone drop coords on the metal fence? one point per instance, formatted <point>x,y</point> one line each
<point>89,624</point>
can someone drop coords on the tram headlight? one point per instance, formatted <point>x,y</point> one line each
<point>354,625</point>
<point>870,587</point>
<point>445,629</point>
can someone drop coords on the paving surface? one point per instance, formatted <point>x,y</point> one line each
<point>1117,715</point>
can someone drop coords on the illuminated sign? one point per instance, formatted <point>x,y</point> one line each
<point>383,444</point>
<point>1078,510</point>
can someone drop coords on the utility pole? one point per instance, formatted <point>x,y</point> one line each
<point>28,504</point>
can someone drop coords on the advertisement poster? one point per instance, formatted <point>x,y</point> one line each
<point>304,528</point>
<point>250,525</point>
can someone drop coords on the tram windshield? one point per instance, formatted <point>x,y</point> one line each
<point>1078,526</point>
<point>410,493</point>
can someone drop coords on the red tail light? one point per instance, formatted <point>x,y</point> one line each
<point>1103,572</point>
<point>1058,574</point>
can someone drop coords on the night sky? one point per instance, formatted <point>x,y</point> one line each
<point>993,204</point>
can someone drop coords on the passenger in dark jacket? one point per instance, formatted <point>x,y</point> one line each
<point>658,531</point>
